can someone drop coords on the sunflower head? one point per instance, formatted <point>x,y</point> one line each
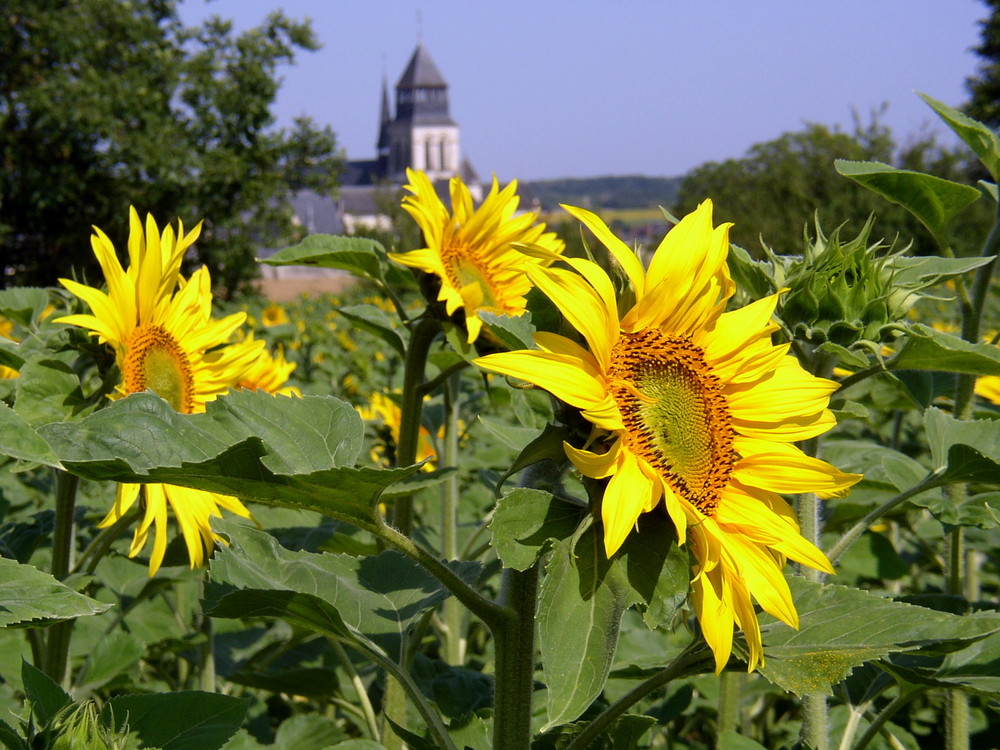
<point>384,413</point>
<point>161,329</point>
<point>469,250</point>
<point>158,323</point>
<point>694,411</point>
<point>267,372</point>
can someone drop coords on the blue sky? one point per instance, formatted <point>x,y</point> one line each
<point>561,88</point>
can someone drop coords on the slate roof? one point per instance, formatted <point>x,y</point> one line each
<point>421,72</point>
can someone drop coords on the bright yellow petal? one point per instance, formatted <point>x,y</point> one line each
<point>626,496</point>
<point>564,376</point>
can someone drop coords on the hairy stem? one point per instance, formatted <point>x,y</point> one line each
<point>454,635</point>
<point>514,648</point>
<point>411,408</point>
<point>730,685</point>
<point>58,637</point>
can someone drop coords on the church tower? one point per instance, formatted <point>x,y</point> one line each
<point>422,135</point>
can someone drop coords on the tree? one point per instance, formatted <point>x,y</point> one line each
<point>106,103</point>
<point>984,87</point>
<point>773,192</point>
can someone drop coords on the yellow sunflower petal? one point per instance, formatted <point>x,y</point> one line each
<point>562,375</point>
<point>625,256</point>
<point>626,496</point>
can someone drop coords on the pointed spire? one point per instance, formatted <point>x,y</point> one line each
<point>421,72</point>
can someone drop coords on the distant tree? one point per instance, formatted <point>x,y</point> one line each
<point>104,104</point>
<point>773,192</point>
<point>984,87</point>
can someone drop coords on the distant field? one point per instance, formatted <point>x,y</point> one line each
<point>625,193</point>
<point>629,216</point>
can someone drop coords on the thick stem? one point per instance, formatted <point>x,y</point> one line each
<point>816,721</point>
<point>454,634</point>
<point>58,637</point>
<point>206,656</point>
<point>514,649</point>
<point>957,715</point>
<point>411,407</point>
<point>62,534</point>
<point>815,711</point>
<point>730,685</point>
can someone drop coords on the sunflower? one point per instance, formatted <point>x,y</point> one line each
<point>470,249</point>
<point>693,408</point>
<point>386,411</point>
<point>268,372</point>
<point>7,332</point>
<point>273,315</point>
<point>165,340</point>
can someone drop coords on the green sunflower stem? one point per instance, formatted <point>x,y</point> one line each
<point>730,685</point>
<point>454,635</point>
<point>411,408</point>
<point>687,662</point>
<point>815,710</point>
<point>957,714</point>
<point>206,655</point>
<point>514,650</point>
<point>56,655</point>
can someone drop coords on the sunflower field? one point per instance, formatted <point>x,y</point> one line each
<point>500,495</point>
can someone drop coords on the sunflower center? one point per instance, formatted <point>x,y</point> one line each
<point>464,267</point>
<point>675,414</point>
<point>155,362</point>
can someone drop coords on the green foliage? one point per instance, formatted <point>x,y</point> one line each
<point>984,87</point>
<point>31,596</point>
<point>108,104</point>
<point>771,192</point>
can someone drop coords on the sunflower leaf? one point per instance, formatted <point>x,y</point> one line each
<point>29,595</point>
<point>526,521</point>
<point>188,720</point>
<point>658,571</point>
<point>373,320</point>
<point>371,601</point>
<point>296,452</point>
<point>359,256</point>
<point>48,389</point>
<point>981,139</point>
<point>965,450</point>
<point>975,668</point>
<point>932,200</point>
<point>514,332</point>
<point>23,304</point>
<point>19,440</point>
<point>928,349</point>
<point>841,628</point>
<point>581,586</point>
